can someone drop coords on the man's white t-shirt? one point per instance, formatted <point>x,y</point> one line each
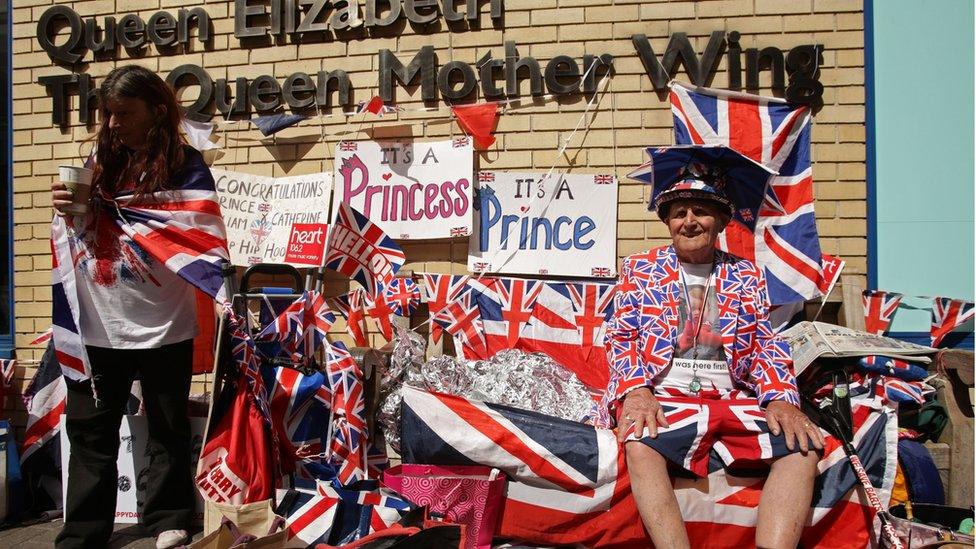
<point>127,299</point>
<point>699,355</point>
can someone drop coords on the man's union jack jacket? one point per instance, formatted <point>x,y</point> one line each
<point>641,333</point>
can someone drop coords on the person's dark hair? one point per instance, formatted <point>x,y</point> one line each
<point>163,155</point>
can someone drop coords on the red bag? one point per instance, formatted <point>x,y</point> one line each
<point>235,463</point>
<point>470,495</point>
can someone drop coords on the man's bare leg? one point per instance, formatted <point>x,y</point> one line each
<point>785,501</point>
<point>654,495</point>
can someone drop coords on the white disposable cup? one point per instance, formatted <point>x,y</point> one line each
<point>78,181</point>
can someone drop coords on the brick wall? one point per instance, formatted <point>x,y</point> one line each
<point>631,115</point>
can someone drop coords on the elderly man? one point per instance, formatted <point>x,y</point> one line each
<point>695,365</point>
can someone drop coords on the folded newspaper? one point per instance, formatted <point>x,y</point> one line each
<point>812,340</point>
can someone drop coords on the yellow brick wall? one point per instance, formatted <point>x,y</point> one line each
<point>631,115</point>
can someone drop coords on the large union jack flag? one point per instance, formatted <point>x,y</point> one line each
<point>568,483</point>
<point>300,416</point>
<point>777,135</point>
<point>947,315</point>
<point>564,325</point>
<point>180,228</point>
<point>879,308</point>
<point>358,248</point>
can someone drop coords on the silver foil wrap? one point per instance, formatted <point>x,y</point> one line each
<point>514,378</point>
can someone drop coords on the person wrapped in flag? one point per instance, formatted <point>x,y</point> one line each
<point>694,363</point>
<point>125,276</point>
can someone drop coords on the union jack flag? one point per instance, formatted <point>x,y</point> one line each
<point>44,400</point>
<point>568,484</point>
<point>505,305</point>
<point>7,369</point>
<point>776,134</point>
<point>358,248</point>
<point>555,329</point>
<point>486,177</point>
<point>351,307</point>
<point>462,319</point>
<point>264,207</point>
<point>593,304</point>
<point>402,295</point>
<point>260,229</point>
<point>947,315</point>
<point>879,308</point>
<point>301,328</point>
<point>309,517</point>
<point>300,416</point>
<point>376,106</point>
<point>893,367</point>
<point>330,512</point>
<point>899,390</point>
<point>461,142</point>
<point>348,146</point>
<point>42,337</point>
<point>459,231</point>
<point>438,291</point>
<point>180,228</point>
<point>603,179</point>
<point>482,266</point>
<point>379,310</point>
<point>253,260</point>
<point>603,272</point>
<point>349,437</point>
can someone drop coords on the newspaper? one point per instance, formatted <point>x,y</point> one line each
<point>812,340</point>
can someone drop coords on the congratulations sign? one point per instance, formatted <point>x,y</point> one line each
<point>564,225</point>
<point>259,212</point>
<point>411,190</point>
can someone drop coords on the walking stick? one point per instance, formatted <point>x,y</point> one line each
<point>831,417</point>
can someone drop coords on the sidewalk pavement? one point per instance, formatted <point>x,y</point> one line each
<point>41,535</point>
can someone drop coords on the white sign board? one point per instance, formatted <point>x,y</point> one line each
<point>565,225</point>
<point>412,190</point>
<point>134,465</point>
<point>259,212</point>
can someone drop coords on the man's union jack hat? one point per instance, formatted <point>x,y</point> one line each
<point>714,173</point>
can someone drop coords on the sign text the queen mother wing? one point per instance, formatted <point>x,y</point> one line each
<point>565,225</point>
<point>412,190</point>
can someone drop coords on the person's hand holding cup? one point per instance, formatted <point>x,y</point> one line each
<point>70,193</point>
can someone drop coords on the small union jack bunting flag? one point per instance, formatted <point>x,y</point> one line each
<point>879,308</point>
<point>947,315</point>
<point>402,295</point>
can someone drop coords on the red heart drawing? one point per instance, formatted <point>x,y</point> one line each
<point>524,208</point>
<point>387,176</point>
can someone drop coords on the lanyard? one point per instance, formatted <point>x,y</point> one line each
<point>704,305</point>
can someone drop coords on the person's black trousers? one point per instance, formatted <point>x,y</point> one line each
<point>93,430</point>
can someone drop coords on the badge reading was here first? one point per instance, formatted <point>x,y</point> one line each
<point>529,224</point>
<point>412,190</point>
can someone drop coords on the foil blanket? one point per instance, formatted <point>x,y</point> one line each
<point>530,381</point>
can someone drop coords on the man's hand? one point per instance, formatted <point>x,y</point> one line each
<point>796,427</point>
<point>643,410</point>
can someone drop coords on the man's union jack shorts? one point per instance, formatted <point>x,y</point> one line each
<point>733,429</point>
